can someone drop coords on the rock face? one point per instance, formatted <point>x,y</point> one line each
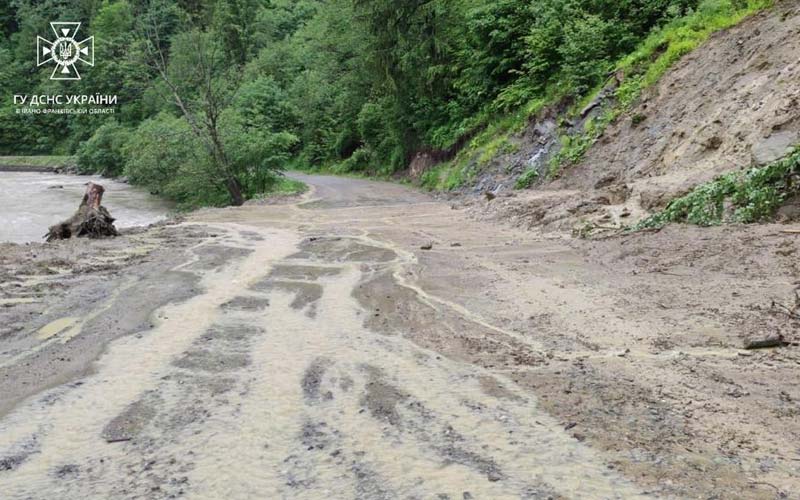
<point>775,147</point>
<point>420,164</point>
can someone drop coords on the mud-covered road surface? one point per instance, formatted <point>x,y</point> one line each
<point>369,342</point>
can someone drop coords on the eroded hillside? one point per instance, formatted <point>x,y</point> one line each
<point>731,104</point>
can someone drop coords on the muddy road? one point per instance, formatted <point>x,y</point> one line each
<point>367,341</point>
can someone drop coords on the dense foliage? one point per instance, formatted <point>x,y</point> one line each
<point>216,96</point>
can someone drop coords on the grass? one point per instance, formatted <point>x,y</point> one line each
<point>751,196</point>
<point>447,176</point>
<point>642,69</point>
<point>573,147</point>
<point>47,162</point>
<point>663,48</point>
<point>497,146</point>
<point>494,140</point>
<point>285,186</point>
<point>527,179</point>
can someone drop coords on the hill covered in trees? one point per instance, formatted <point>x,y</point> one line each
<point>214,97</point>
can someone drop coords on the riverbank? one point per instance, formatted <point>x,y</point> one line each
<point>33,201</point>
<point>53,164</point>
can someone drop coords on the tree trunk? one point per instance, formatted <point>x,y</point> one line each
<point>218,151</point>
<point>91,219</point>
<point>235,190</point>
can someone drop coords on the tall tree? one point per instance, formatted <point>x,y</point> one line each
<point>200,81</point>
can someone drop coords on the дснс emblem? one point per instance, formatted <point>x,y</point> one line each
<point>65,51</point>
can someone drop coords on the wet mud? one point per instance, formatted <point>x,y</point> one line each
<point>273,356</point>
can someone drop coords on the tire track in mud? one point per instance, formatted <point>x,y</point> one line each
<point>71,424</point>
<point>446,413</point>
<point>282,380</point>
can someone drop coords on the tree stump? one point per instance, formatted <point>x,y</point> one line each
<point>91,220</point>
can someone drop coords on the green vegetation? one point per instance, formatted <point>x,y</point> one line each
<point>447,176</point>
<point>283,186</point>
<point>573,147</point>
<point>216,97</point>
<point>103,153</point>
<point>665,46</point>
<point>527,179</point>
<point>681,32</point>
<point>496,138</point>
<point>287,186</point>
<point>746,197</point>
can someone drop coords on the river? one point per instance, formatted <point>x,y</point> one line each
<point>33,201</point>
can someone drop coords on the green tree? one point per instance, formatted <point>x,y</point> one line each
<point>201,84</point>
<point>166,157</point>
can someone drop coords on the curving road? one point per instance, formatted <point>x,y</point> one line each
<point>315,350</point>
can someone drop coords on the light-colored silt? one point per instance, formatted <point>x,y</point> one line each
<point>295,399</point>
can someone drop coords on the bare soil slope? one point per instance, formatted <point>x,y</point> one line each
<point>732,103</point>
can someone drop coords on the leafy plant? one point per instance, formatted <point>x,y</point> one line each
<point>351,85</point>
<point>648,63</point>
<point>103,152</point>
<point>574,146</point>
<point>753,195</point>
<point>527,179</point>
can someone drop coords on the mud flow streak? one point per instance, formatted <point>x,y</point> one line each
<point>313,350</point>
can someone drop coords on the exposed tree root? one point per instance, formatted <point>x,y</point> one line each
<point>91,219</point>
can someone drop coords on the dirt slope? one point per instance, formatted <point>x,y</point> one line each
<point>732,103</point>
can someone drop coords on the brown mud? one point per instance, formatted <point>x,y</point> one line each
<point>313,350</point>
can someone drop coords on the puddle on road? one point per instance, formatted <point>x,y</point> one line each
<point>69,427</point>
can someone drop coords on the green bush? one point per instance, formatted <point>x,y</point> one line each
<point>255,154</point>
<point>103,152</point>
<point>164,156</point>
<point>643,67</point>
<point>360,84</point>
<point>359,161</point>
<point>527,179</point>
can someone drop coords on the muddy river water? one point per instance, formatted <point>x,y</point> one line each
<point>33,201</point>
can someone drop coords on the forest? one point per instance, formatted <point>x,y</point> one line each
<point>215,97</point>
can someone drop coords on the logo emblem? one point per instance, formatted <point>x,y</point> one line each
<point>65,51</point>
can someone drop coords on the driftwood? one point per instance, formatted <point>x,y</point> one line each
<point>91,219</point>
<point>775,340</point>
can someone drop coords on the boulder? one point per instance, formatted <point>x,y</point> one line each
<point>774,147</point>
